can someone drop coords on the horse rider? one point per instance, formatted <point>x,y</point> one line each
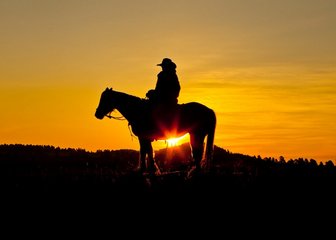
<point>167,89</point>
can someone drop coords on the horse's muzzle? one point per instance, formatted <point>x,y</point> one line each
<point>99,115</point>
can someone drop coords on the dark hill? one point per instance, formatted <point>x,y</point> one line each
<point>48,168</point>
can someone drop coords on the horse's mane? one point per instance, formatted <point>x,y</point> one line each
<point>130,97</point>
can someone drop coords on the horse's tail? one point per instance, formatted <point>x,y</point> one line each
<point>210,140</point>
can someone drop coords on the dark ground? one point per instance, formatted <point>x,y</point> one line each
<point>66,181</point>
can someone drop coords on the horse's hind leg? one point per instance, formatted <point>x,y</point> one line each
<point>197,145</point>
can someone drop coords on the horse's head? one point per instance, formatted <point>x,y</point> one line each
<point>105,104</point>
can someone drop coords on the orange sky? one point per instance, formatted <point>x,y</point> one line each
<point>266,67</point>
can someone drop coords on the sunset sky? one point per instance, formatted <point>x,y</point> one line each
<point>267,68</point>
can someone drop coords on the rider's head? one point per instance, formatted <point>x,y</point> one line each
<point>167,63</point>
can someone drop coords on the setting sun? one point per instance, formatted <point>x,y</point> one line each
<point>171,142</point>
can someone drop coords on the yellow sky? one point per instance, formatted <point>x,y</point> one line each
<point>266,67</point>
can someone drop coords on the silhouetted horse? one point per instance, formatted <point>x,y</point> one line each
<point>193,118</point>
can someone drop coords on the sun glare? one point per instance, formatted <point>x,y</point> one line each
<point>171,142</point>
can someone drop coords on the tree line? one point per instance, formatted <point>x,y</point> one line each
<point>45,166</point>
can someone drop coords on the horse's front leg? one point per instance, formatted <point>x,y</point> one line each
<point>151,162</point>
<point>143,153</point>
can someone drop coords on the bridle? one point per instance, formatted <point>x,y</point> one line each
<point>120,118</point>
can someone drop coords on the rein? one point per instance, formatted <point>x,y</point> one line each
<point>121,118</point>
<point>109,115</point>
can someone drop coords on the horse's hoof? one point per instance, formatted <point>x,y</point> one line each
<point>193,172</point>
<point>154,170</point>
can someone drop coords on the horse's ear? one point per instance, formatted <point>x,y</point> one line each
<point>106,89</point>
<point>110,89</point>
